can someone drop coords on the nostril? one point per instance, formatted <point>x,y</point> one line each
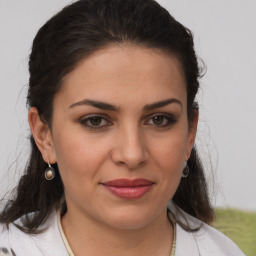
<point>130,151</point>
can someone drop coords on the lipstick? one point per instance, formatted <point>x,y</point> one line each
<point>129,189</point>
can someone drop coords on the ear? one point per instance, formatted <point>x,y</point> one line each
<point>192,133</point>
<point>42,136</point>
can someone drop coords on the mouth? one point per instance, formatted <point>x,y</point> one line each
<point>129,189</point>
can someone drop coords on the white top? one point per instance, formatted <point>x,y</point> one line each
<point>205,242</point>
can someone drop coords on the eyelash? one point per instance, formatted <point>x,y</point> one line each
<point>169,119</point>
<point>85,122</point>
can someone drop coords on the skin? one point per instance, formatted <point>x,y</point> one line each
<point>127,142</point>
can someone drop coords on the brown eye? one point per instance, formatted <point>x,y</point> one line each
<point>161,120</point>
<point>158,120</point>
<point>95,121</point>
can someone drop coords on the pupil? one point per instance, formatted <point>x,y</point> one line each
<point>95,121</point>
<point>158,120</point>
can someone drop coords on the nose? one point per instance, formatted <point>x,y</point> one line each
<point>130,149</point>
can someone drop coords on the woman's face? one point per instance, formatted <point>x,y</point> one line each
<point>120,135</point>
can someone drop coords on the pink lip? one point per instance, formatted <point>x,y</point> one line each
<point>129,189</point>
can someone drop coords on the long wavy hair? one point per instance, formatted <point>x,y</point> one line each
<point>74,33</point>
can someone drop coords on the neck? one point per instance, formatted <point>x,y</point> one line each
<point>87,236</point>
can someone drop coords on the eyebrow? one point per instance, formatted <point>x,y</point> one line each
<point>162,103</point>
<point>96,104</point>
<point>107,106</point>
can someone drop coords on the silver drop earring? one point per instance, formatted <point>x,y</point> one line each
<point>49,173</point>
<point>185,170</point>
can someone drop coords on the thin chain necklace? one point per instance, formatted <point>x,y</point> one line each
<point>69,250</point>
<point>173,222</point>
<point>70,253</point>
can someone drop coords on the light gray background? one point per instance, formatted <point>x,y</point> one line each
<point>225,39</point>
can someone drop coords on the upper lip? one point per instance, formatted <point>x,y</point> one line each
<point>128,182</point>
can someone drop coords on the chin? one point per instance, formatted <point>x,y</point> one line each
<point>129,219</point>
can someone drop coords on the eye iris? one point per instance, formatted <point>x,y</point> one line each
<point>158,120</point>
<point>95,121</point>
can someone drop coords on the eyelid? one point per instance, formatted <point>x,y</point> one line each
<point>171,118</point>
<point>102,115</point>
<point>159,114</point>
<point>86,118</point>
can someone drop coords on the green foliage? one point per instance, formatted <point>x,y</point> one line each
<point>239,226</point>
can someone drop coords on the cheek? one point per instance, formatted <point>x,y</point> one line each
<point>170,152</point>
<point>170,161</point>
<point>169,155</point>
<point>78,157</point>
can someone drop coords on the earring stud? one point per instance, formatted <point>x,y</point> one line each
<point>185,170</point>
<point>49,173</point>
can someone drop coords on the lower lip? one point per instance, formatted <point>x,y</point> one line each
<point>129,192</point>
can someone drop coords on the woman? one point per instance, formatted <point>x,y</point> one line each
<point>113,169</point>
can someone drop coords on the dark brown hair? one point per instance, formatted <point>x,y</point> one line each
<point>75,32</point>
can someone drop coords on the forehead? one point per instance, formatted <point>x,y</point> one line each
<point>125,72</point>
